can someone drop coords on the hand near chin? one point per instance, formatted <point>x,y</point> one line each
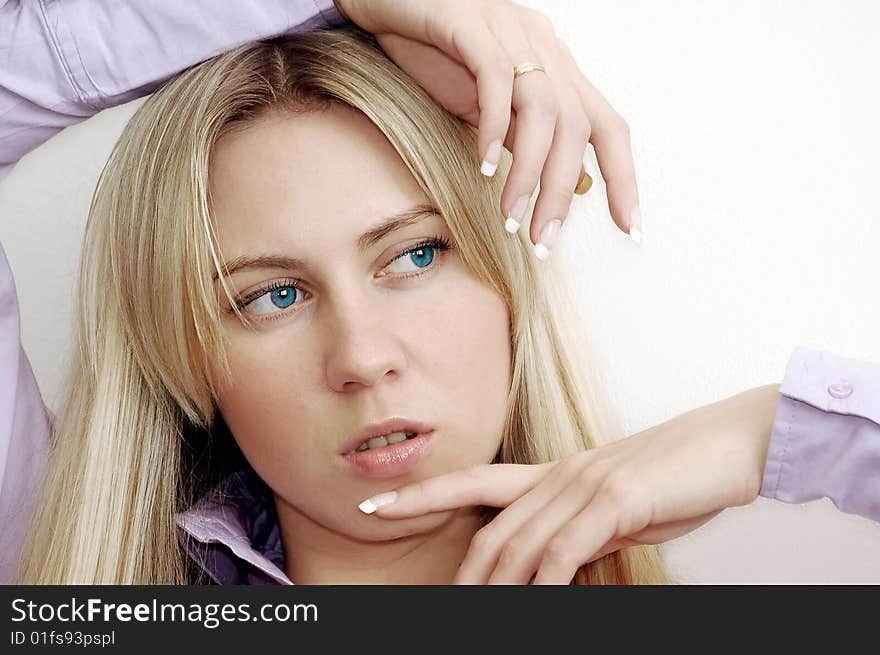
<point>646,489</point>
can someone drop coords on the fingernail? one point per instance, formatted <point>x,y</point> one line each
<point>370,505</point>
<point>635,224</point>
<point>514,218</point>
<point>548,236</point>
<point>490,163</point>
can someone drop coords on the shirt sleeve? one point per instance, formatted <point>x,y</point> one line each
<point>25,426</point>
<point>825,440</point>
<point>63,61</point>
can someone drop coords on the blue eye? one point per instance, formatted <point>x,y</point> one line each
<point>272,300</point>
<point>421,257</point>
<point>285,293</point>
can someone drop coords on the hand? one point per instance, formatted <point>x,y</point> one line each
<point>463,53</point>
<point>646,489</point>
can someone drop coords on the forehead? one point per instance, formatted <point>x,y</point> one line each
<point>306,173</point>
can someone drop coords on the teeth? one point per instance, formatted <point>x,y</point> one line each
<point>379,442</point>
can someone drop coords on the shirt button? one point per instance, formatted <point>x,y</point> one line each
<point>842,390</point>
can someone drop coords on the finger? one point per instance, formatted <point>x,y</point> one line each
<point>533,117</point>
<point>559,177</point>
<point>493,485</point>
<point>475,52</point>
<point>472,44</point>
<point>488,543</point>
<point>449,83</point>
<point>522,554</point>
<point>536,107</point>
<point>610,137</point>
<point>578,541</point>
<point>585,182</point>
<point>489,64</point>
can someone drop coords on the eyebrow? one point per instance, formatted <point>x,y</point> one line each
<point>389,224</point>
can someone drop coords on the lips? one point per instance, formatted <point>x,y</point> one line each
<point>391,461</point>
<point>394,424</point>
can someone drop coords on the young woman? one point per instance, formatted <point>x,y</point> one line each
<point>234,533</point>
<point>240,272</point>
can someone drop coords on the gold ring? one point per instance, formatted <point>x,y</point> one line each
<point>584,184</point>
<point>526,67</point>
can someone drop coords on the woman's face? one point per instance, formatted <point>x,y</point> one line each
<point>348,334</point>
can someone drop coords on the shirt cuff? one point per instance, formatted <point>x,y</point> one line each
<point>825,440</point>
<point>833,383</point>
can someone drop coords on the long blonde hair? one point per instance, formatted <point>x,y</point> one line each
<point>138,438</point>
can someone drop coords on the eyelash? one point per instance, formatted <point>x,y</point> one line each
<point>438,243</point>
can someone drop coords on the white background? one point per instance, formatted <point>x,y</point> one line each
<point>754,127</point>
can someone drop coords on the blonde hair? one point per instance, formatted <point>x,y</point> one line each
<point>137,440</point>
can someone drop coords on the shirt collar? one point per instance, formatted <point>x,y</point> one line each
<point>234,531</point>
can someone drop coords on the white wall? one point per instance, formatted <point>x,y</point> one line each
<point>755,137</point>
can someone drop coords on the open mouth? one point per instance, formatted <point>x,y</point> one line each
<point>390,455</point>
<point>385,440</point>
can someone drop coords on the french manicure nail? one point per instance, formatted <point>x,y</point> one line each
<point>516,214</point>
<point>635,224</point>
<point>370,505</point>
<point>490,162</point>
<point>548,236</point>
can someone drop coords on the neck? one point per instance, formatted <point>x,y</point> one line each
<point>318,555</point>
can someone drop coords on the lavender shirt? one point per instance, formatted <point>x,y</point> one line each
<point>63,62</point>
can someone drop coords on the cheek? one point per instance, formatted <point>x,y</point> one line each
<point>265,405</point>
<point>471,341</point>
<point>467,342</point>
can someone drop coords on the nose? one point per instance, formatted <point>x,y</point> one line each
<point>363,345</point>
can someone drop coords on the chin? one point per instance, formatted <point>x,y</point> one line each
<point>375,529</point>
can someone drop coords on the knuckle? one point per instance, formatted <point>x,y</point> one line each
<point>586,476</point>
<point>474,472</point>
<point>547,106</point>
<point>563,49</point>
<point>525,175</point>
<point>584,457</point>
<point>620,125</point>
<point>558,196</point>
<point>576,462</point>
<point>618,487</point>
<point>503,8</point>
<point>559,551</point>
<point>541,22</point>
<point>484,541</point>
<point>512,553</point>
